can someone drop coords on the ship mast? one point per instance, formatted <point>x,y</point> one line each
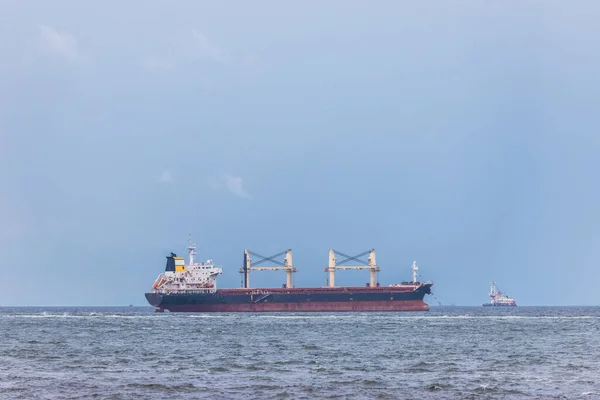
<point>415,268</point>
<point>191,250</point>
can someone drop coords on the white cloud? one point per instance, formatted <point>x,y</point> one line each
<point>204,48</point>
<point>165,177</point>
<point>235,186</point>
<point>193,45</point>
<point>56,43</point>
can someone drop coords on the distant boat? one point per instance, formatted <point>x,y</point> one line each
<point>499,299</point>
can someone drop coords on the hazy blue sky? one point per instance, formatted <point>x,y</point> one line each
<point>462,134</point>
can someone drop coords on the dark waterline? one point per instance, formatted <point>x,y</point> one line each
<point>446,353</point>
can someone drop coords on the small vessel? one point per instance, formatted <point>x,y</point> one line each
<point>192,287</point>
<point>499,299</point>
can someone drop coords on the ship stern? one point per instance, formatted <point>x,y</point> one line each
<point>154,299</point>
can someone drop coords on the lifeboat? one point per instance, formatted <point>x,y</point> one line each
<point>159,282</point>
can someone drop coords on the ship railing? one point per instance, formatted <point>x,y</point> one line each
<point>175,291</point>
<point>347,289</point>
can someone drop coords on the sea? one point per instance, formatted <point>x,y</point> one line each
<point>446,353</point>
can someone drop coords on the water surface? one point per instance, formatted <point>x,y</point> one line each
<point>446,353</point>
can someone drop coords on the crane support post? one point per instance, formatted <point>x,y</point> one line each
<point>371,265</point>
<point>247,263</point>
<point>286,266</point>
<point>331,268</point>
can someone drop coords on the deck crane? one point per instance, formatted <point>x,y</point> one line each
<point>334,265</point>
<point>286,266</point>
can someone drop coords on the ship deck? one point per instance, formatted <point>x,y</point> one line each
<point>324,289</point>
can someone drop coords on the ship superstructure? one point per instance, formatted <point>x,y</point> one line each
<point>185,278</point>
<point>192,287</point>
<point>499,299</point>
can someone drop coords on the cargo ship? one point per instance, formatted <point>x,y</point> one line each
<point>192,287</point>
<point>499,299</point>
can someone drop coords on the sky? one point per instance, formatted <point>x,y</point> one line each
<point>460,134</point>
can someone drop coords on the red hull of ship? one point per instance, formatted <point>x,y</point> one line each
<point>356,306</point>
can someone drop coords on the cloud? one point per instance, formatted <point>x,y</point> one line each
<point>235,186</point>
<point>165,177</point>
<point>56,43</point>
<point>193,45</point>
<point>204,48</point>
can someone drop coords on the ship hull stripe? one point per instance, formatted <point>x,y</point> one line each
<point>335,306</point>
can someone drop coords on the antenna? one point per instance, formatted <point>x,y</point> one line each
<point>493,290</point>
